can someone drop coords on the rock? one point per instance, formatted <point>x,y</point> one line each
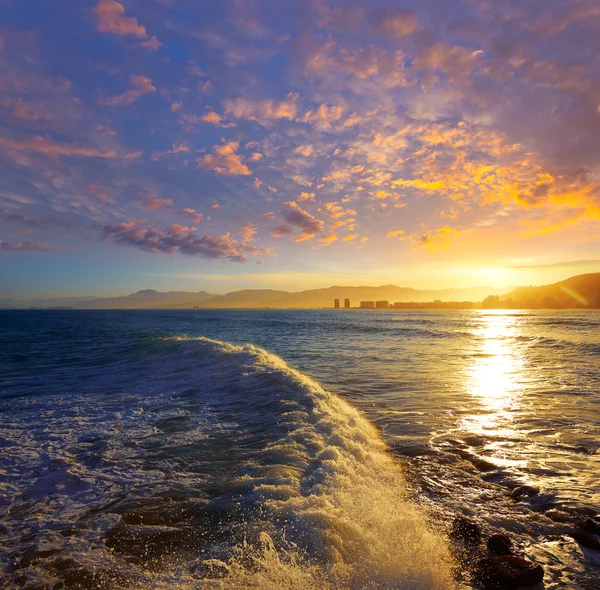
<point>506,572</point>
<point>499,544</point>
<point>525,492</point>
<point>559,515</point>
<point>585,539</point>
<point>590,526</point>
<point>466,530</point>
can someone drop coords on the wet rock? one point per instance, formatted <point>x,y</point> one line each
<point>483,464</point>
<point>585,539</point>
<point>499,544</point>
<point>506,572</point>
<point>590,526</point>
<point>466,530</point>
<point>559,515</point>
<point>525,492</point>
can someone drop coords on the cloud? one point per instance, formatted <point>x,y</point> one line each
<point>567,264</point>
<point>212,117</point>
<point>225,161</point>
<point>248,233</point>
<point>324,116</point>
<point>51,148</point>
<point>328,239</point>
<point>193,214</point>
<point>294,216</point>
<point>395,234</point>
<point>398,23</point>
<point>28,246</point>
<point>158,204</point>
<point>457,62</point>
<point>262,111</point>
<point>173,239</point>
<point>141,85</point>
<point>111,19</point>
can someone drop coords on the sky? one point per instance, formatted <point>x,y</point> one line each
<point>293,144</point>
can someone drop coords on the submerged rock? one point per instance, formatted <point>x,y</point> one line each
<point>466,530</point>
<point>525,492</point>
<point>506,572</point>
<point>585,539</point>
<point>499,544</point>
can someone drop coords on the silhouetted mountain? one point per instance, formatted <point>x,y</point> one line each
<point>581,291</point>
<point>149,299</point>
<point>261,298</point>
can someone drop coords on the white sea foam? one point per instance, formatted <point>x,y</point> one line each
<point>329,491</point>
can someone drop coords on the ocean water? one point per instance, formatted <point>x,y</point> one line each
<point>293,449</point>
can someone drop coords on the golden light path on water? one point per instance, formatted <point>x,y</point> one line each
<point>496,379</point>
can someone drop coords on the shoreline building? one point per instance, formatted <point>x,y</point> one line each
<point>346,303</point>
<point>382,305</point>
<point>367,305</point>
<point>336,304</point>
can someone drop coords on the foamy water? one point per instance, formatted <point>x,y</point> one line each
<point>146,450</point>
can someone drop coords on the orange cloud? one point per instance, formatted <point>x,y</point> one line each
<point>262,111</point>
<point>212,117</point>
<point>225,161</point>
<point>328,238</point>
<point>395,234</point>
<point>141,85</point>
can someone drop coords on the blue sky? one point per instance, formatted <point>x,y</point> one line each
<point>178,144</point>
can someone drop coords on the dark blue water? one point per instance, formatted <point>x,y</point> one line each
<point>156,449</point>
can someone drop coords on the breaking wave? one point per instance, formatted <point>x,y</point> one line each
<point>215,466</point>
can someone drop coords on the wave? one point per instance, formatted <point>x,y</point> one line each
<point>295,487</point>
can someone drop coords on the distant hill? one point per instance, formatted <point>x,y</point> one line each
<point>262,298</point>
<point>581,291</point>
<point>148,299</point>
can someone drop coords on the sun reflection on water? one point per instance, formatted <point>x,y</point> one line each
<point>495,377</point>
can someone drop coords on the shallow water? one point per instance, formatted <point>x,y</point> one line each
<point>158,449</point>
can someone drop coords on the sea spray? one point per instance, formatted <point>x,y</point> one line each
<point>333,503</point>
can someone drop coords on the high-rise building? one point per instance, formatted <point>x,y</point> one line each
<point>346,303</point>
<point>367,305</point>
<point>382,305</point>
<point>336,304</point>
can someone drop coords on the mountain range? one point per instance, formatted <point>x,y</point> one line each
<point>578,291</point>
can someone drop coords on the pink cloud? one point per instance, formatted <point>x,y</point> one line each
<point>111,19</point>
<point>193,214</point>
<point>247,232</point>
<point>53,148</point>
<point>141,85</point>
<point>28,246</point>
<point>225,161</point>
<point>158,204</point>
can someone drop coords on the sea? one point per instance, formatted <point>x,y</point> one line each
<point>294,449</point>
